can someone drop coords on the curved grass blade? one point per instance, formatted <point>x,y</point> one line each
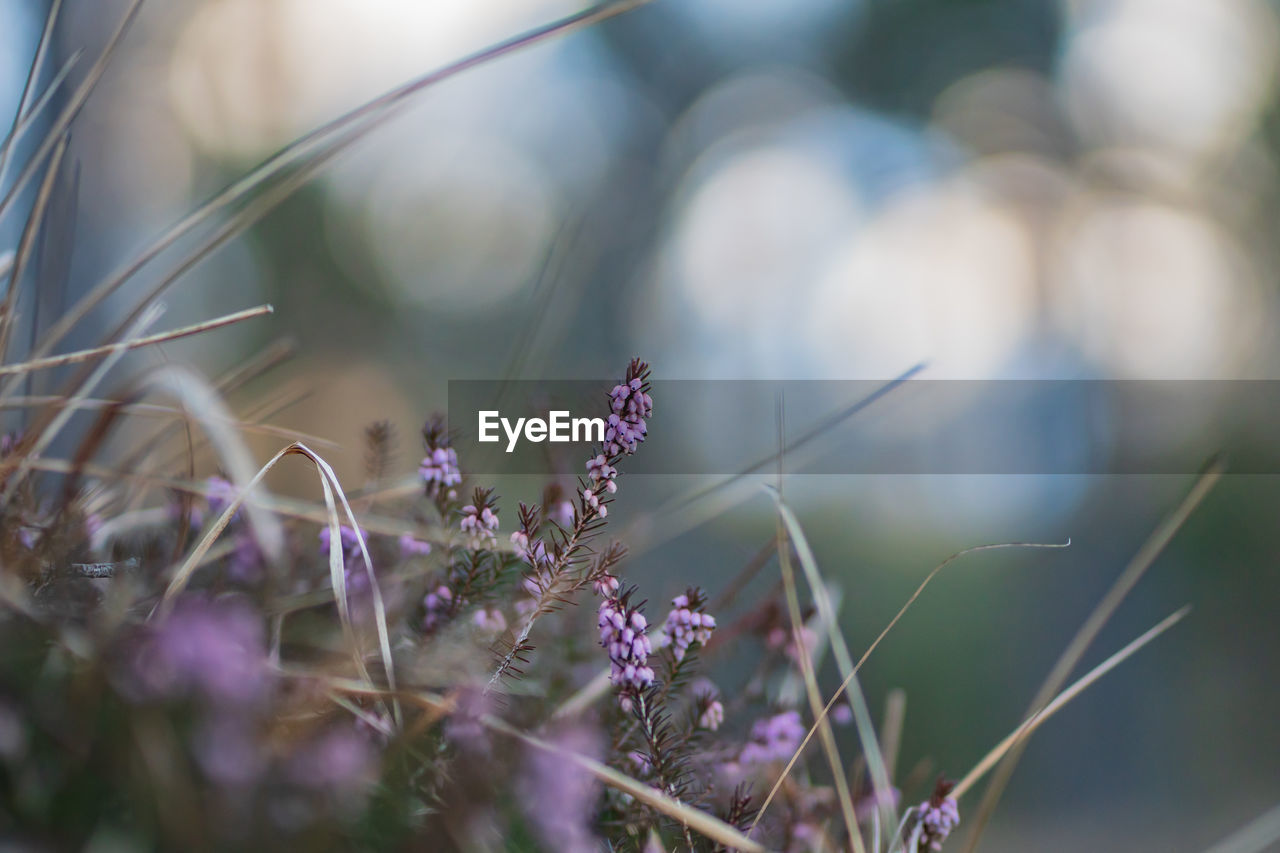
<point>1147,554</point>
<point>331,487</point>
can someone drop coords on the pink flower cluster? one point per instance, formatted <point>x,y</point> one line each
<point>436,606</point>
<point>627,427</point>
<point>711,718</point>
<point>599,470</point>
<point>439,469</point>
<point>774,738</point>
<point>481,523</point>
<point>938,816</point>
<point>532,552</point>
<point>686,625</point>
<point>623,633</point>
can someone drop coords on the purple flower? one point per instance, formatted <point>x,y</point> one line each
<point>532,552</point>
<point>592,501</point>
<point>599,470</point>
<point>559,795</point>
<point>214,648</point>
<point>712,717</point>
<point>464,727</point>
<point>245,564</point>
<point>439,469</point>
<point>340,761</point>
<point>220,494</point>
<point>774,738</point>
<point>437,605</point>
<point>937,816</point>
<point>227,751</point>
<point>686,623</point>
<point>491,620</point>
<point>630,406</point>
<point>562,513</point>
<point>480,522</point>
<point>624,634</point>
<point>606,585</point>
<point>353,568</point>
<point>411,547</point>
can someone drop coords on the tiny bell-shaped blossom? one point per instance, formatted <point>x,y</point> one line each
<point>533,552</point>
<point>436,606</point>
<point>686,623</point>
<point>711,718</point>
<point>630,406</point>
<point>599,470</point>
<point>624,635</point>
<point>439,468</point>
<point>591,501</point>
<point>411,547</point>
<point>480,522</point>
<point>937,816</point>
<point>605,585</point>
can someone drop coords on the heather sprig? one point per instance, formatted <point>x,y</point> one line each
<point>561,575</point>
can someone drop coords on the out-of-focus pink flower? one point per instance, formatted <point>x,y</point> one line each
<point>774,738</point>
<point>411,547</point>
<point>340,761</point>
<point>439,469</point>
<point>213,648</point>
<point>558,795</point>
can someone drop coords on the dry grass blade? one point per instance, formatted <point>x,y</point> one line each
<point>331,488</point>
<point>895,714</point>
<point>74,104</point>
<point>149,340</point>
<point>306,155</point>
<point>294,509</point>
<point>154,410</point>
<point>820,723</point>
<point>1256,836</point>
<point>51,430</point>
<point>202,401</point>
<point>700,822</point>
<point>28,120</point>
<point>835,697</point>
<point>25,244</point>
<point>1089,630</point>
<point>21,119</point>
<point>1033,722</point>
<point>844,661</point>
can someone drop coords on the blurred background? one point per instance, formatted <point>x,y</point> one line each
<point>776,189</point>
